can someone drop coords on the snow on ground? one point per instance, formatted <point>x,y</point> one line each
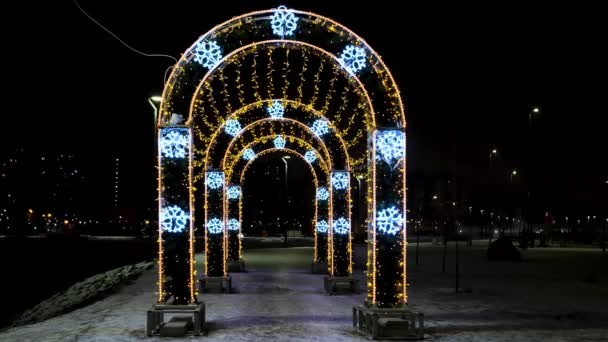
<point>544,298</point>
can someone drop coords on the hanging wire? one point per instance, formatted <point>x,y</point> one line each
<point>120,40</point>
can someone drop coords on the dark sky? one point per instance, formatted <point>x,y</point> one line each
<point>469,75</point>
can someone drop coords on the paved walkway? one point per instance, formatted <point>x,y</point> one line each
<point>279,300</point>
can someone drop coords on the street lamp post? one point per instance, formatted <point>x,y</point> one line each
<point>284,159</point>
<point>513,173</point>
<point>359,177</point>
<point>493,155</point>
<point>153,100</point>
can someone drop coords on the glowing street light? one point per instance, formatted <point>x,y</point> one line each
<point>513,173</point>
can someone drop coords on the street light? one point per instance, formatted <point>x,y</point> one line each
<point>359,205</point>
<point>513,173</point>
<point>284,159</point>
<point>493,155</point>
<point>153,100</point>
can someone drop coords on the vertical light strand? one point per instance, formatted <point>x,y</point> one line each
<point>254,78</point>
<point>224,91</point>
<point>404,174</point>
<point>285,73</point>
<point>317,80</point>
<point>191,211</point>
<point>302,80</point>
<point>239,85</point>
<point>269,74</point>
<point>161,270</point>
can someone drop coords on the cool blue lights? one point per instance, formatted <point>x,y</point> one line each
<point>310,156</point>
<point>352,59</point>
<point>279,142</point>
<point>233,225</point>
<point>214,179</point>
<point>389,221</point>
<point>390,146</point>
<point>340,180</point>
<point>232,127</point>
<point>322,194</point>
<point>248,154</point>
<point>283,22</point>
<point>233,192</point>
<point>215,226</point>
<point>341,226</point>
<point>208,54</point>
<point>173,219</point>
<point>174,142</point>
<point>322,226</point>
<point>320,127</point>
<point>276,110</point>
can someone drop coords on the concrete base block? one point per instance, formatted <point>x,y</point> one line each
<point>319,267</point>
<point>340,285</point>
<point>216,284</point>
<point>389,324</point>
<point>236,266</point>
<point>178,326</point>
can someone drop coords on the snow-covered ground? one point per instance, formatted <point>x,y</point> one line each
<point>557,295</point>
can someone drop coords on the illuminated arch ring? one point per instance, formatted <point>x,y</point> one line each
<point>274,150</point>
<point>291,121</point>
<point>256,23</point>
<point>288,104</point>
<point>229,169</point>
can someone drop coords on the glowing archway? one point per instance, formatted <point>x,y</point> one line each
<point>214,61</point>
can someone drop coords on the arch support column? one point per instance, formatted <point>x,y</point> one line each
<point>216,276</point>
<point>321,230</point>
<point>386,251</point>
<point>340,234</point>
<point>176,283</point>
<point>233,228</point>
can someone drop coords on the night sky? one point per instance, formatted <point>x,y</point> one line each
<point>469,76</point>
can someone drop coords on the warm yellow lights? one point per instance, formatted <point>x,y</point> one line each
<point>259,71</point>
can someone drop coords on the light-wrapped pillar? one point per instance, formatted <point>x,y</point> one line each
<point>340,232</point>
<point>387,282</point>
<point>322,225</point>
<point>233,217</point>
<point>215,225</point>
<point>176,282</point>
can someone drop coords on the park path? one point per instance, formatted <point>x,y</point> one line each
<point>279,300</point>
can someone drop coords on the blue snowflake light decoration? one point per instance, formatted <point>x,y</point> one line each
<point>215,226</point>
<point>248,154</point>
<point>233,192</point>
<point>276,110</point>
<point>390,146</point>
<point>352,59</point>
<point>208,54</point>
<point>214,179</point>
<point>322,194</point>
<point>320,127</point>
<point>339,180</point>
<point>283,22</point>
<point>341,226</point>
<point>173,219</point>
<point>279,142</point>
<point>232,127</point>
<point>310,156</point>
<point>322,226</point>
<point>389,221</point>
<point>174,143</point>
<point>233,224</point>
